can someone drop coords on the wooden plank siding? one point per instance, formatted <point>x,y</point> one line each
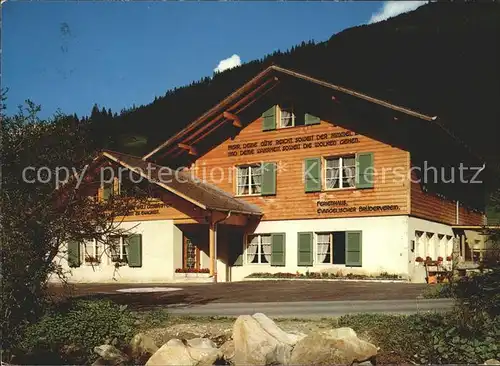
<point>291,201</point>
<point>429,206</point>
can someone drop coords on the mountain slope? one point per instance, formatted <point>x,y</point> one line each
<point>440,59</point>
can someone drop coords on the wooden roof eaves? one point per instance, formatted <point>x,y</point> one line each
<point>243,89</point>
<point>141,173</point>
<point>210,112</point>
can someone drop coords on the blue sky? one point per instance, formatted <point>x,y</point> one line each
<point>70,55</point>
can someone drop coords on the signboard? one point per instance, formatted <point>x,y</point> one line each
<point>341,206</point>
<point>149,209</point>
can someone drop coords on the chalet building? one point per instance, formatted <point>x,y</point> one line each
<point>290,173</point>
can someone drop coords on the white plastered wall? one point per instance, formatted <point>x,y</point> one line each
<point>436,240</point>
<point>384,249</point>
<point>161,254</point>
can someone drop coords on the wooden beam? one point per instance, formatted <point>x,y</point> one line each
<point>190,149</point>
<point>234,118</point>
<point>196,135</point>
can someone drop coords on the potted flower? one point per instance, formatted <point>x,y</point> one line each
<point>449,258</point>
<point>419,259</point>
<point>440,259</point>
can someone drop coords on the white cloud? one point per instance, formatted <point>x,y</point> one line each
<point>392,8</point>
<point>228,63</point>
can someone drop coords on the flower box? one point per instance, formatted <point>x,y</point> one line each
<point>92,260</point>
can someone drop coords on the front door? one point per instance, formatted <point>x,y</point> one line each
<point>191,254</point>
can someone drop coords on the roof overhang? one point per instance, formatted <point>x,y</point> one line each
<point>255,89</point>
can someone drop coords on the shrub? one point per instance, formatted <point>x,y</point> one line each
<point>439,291</point>
<point>69,332</point>
<point>426,338</point>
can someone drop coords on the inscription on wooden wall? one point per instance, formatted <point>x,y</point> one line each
<point>149,209</point>
<point>341,206</point>
<point>293,143</point>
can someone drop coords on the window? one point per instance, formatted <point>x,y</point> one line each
<point>118,249</point>
<point>249,180</point>
<point>90,252</point>
<point>330,248</point>
<point>340,172</point>
<point>259,249</point>
<point>287,117</point>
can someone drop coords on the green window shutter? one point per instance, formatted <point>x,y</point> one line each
<point>268,179</point>
<point>311,120</point>
<point>305,249</point>
<point>364,170</point>
<point>269,116</point>
<point>278,249</point>
<point>74,253</point>
<point>353,248</point>
<point>134,244</point>
<point>106,191</point>
<point>312,174</point>
<point>238,261</point>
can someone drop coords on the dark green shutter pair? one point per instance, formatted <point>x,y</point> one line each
<point>364,172</point>
<point>278,251</point>
<point>134,245</point>
<point>305,243</point>
<point>269,119</point>
<point>107,190</point>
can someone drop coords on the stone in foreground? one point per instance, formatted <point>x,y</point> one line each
<point>259,341</point>
<point>177,353</point>
<point>336,346</point>
<point>111,354</point>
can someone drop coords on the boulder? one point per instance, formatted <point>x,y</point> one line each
<point>142,344</point>
<point>259,341</point>
<point>335,346</point>
<point>227,350</point>
<point>201,343</point>
<point>492,361</point>
<point>111,354</point>
<point>177,353</point>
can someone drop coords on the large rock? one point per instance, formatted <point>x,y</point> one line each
<point>259,341</point>
<point>111,354</point>
<point>141,345</point>
<point>178,353</point>
<point>227,350</point>
<point>491,361</point>
<point>201,343</point>
<point>335,346</point>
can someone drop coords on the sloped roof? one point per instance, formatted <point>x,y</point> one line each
<point>253,86</point>
<point>182,184</point>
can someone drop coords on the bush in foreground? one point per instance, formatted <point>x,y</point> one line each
<point>426,338</point>
<point>69,333</point>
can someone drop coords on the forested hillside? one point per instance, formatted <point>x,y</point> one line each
<point>441,59</point>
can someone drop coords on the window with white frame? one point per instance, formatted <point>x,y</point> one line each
<point>249,180</point>
<point>90,252</point>
<point>330,247</point>
<point>340,172</point>
<point>259,249</point>
<point>287,117</point>
<point>118,249</point>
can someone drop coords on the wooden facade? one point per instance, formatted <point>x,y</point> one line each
<point>392,192</point>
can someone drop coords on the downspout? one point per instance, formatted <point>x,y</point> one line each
<point>457,218</point>
<point>215,249</point>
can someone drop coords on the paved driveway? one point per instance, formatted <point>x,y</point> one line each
<point>249,292</point>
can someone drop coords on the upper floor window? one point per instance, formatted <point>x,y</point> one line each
<point>249,180</point>
<point>287,117</point>
<point>340,172</point>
